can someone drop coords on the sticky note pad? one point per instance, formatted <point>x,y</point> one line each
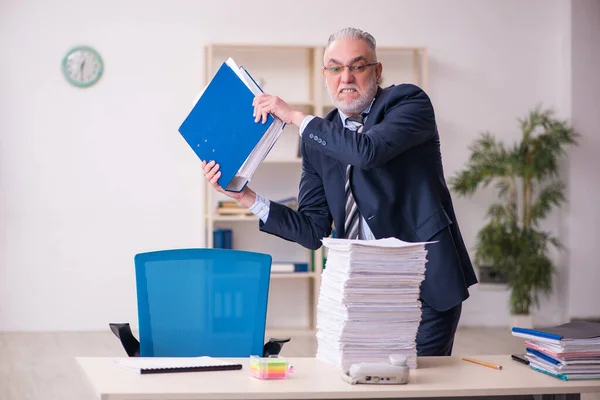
<point>273,367</point>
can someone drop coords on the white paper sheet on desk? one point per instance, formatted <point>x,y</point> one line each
<point>375,258</point>
<point>350,335</point>
<point>350,249</point>
<point>396,314</point>
<point>344,360</point>
<point>339,287</point>
<point>373,280</point>
<point>368,299</point>
<point>381,328</point>
<point>390,242</point>
<point>373,269</point>
<point>397,327</point>
<point>330,306</point>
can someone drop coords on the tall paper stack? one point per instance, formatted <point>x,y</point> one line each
<point>369,306</point>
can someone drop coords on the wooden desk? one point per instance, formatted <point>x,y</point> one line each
<point>436,377</point>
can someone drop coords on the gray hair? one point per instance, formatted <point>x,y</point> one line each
<point>353,34</point>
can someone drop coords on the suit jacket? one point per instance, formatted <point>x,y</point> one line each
<point>398,185</point>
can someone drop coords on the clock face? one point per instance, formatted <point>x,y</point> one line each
<point>82,66</point>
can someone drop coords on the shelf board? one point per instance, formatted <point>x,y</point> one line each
<point>234,217</point>
<point>283,332</point>
<point>292,275</point>
<point>254,47</point>
<point>277,160</point>
<point>302,104</point>
<point>399,48</point>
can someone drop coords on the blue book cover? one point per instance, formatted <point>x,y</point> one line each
<point>221,126</point>
<point>536,333</point>
<point>543,356</point>
<point>574,330</point>
<point>227,239</point>
<point>218,239</point>
<point>568,377</point>
<point>223,239</point>
<point>300,267</point>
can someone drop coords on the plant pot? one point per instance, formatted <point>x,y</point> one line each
<point>522,321</point>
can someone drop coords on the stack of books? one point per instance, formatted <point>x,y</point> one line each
<point>570,351</point>
<point>231,207</point>
<point>368,306</point>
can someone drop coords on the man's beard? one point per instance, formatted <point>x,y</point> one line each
<point>355,106</point>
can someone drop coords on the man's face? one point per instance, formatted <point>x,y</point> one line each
<point>351,89</point>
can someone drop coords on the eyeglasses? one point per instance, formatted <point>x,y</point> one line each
<point>354,68</point>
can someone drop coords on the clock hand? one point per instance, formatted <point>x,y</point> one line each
<point>81,69</point>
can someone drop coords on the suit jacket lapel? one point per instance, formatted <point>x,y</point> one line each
<point>341,166</point>
<point>371,117</point>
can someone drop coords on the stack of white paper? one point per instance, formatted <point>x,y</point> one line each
<point>369,304</point>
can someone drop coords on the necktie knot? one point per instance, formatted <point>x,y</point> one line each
<point>357,121</point>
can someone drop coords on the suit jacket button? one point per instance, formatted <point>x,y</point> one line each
<point>324,143</point>
<point>311,136</point>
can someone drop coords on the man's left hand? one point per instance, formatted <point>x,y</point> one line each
<point>265,104</point>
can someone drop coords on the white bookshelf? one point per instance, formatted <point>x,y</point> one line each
<point>294,74</point>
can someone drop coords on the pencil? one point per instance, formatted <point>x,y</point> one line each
<point>484,363</point>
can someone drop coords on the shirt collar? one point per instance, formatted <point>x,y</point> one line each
<point>365,111</point>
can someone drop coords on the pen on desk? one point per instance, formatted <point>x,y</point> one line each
<point>484,363</point>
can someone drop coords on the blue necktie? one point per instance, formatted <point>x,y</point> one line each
<point>352,215</point>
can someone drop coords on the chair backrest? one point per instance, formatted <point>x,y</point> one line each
<point>202,302</point>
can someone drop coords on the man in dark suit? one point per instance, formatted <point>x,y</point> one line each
<point>373,167</point>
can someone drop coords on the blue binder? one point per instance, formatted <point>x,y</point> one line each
<point>574,330</point>
<point>221,126</point>
<point>543,356</point>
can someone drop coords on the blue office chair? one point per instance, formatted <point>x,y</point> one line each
<point>200,302</point>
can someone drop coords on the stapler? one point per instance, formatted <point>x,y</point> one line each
<point>393,373</point>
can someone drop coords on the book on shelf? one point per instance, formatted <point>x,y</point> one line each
<point>286,267</point>
<point>291,202</point>
<point>223,239</point>
<point>233,211</point>
<point>226,207</point>
<point>228,203</point>
<point>221,126</point>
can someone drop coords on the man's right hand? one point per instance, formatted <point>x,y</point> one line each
<point>246,197</point>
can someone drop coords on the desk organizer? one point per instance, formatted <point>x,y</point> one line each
<point>272,367</point>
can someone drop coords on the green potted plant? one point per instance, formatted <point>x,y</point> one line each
<point>526,175</point>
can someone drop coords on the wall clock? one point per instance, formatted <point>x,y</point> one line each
<point>82,66</point>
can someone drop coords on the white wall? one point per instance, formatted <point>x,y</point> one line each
<point>584,215</point>
<point>90,177</point>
